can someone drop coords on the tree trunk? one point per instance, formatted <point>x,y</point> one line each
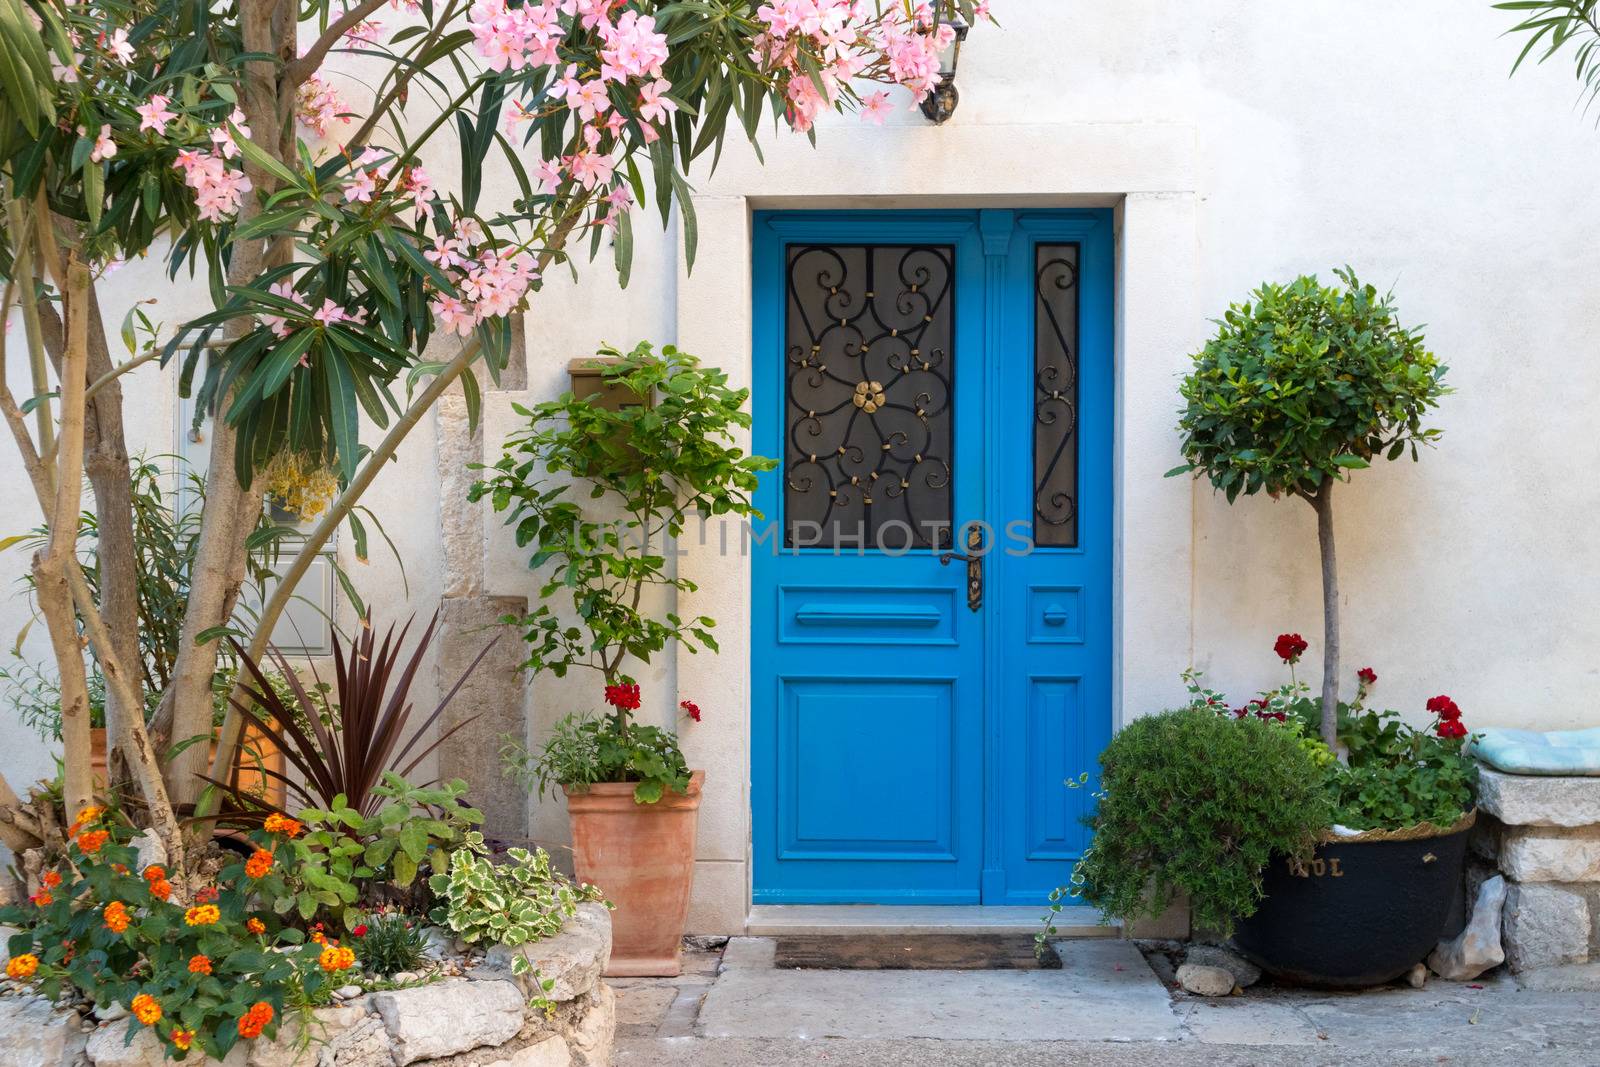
<point>105,460</point>
<point>231,511</point>
<point>1323,502</point>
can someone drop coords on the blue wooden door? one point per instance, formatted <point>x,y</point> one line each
<point>931,650</point>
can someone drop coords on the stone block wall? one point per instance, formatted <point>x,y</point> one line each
<point>1543,834</point>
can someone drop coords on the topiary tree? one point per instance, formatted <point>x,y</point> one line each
<point>1302,384</point>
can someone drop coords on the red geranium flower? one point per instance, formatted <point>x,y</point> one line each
<point>623,697</point>
<point>1444,707</point>
<point>1290,647</point>
<point>1367,675</point>
<point>691,709</point>
<point>1451,728</point>
<point>359,931</point>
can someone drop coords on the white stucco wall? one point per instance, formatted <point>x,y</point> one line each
<point>1240,141</point>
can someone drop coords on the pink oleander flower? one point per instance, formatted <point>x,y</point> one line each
<point>367,32</point>
<point>633,48</point>
<point>453,315</point>
<point>154,115</point>
<point>549,175</point>
<point>875,107</point>
<point>589,166</point>
<point>318,105</point>
<point>104,147</point>
<point>277,323</point>
<point>117,46</point>
<point>217,188</point>
<point>222,137</point>
<point>653,103</point>
<point>514,38</point>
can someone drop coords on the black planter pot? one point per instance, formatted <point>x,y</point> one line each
<point>1364,912</point>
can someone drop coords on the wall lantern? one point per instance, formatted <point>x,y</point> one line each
<point>940,104</point>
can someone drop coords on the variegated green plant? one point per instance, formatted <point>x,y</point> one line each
<point>510,904</point>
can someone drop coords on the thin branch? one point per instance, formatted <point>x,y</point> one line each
<point>118,371</point>
<point>311,61</point>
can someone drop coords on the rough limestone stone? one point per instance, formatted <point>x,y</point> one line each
<point>574,958</point>
<point>1552,855</point>
<point>33,1034</point>
<point>489,703</point>
<point>448,1017</point>
<point>106,1048</point>
<point>1537,800</point>
<point>591,1037</point>
<point>1545,926</point>
<point>1245,974</point>
<point>1205,981</point>
<point>364,1045</point>
<point>551,1052</point>
<point>290,1047</point>
<point>1478,947</point>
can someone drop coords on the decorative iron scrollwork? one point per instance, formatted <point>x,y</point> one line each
<point>869,376</point>
<point>1055,396</point>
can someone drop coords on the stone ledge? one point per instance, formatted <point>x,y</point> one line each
<point>1538,800</point>
<point>1551,854</point>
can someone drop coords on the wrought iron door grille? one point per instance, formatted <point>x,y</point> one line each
<point>1055,396</point>
<point>869,371</point>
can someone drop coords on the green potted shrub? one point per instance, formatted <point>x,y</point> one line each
<point>1323,872</point>
<point>1302,384</point>
<point>642,469</point>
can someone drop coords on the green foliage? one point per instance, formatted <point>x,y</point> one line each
<point>1398,776</point>
<point>1555,24</point>
<point>347,862</point>
<point>1196,804</point>
<point>1303,383</point>
<point>655,466</point>
<point>77,949</point>
<point>392,942</point>
<point>511,903</point>
<point>582,751</point>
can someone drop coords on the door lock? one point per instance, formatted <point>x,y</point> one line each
<point>973,558</point>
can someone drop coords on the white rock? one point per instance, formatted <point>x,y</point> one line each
<point>574,958</point>
<point>1205,981</point>
<point>448,1017</point>
<point>290,1047</point>
<point>1539,800</point>
<point>551,1052</point>
<point>112,1012</point>
<point>1417,977</point>
<point>34,1034</point>
<point>591,1036</point>
<point>1477,947</point>
<point>149,849</point>
<point>347,992</point>
<point>363,1045</point>
<point>109,1047</point>
<point>441,943</point>
<point>405,976</point>
<point>1552,854</point>
<point>1245,974</point>
<point>1545,926</point>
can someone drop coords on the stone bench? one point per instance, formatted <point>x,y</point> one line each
<point>1543,834</point>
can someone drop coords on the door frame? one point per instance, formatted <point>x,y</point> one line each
<point>1006,337</point>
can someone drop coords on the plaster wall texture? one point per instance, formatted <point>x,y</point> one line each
<point>1237,144</point>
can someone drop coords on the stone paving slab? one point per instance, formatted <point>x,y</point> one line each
<point>1104,991</point>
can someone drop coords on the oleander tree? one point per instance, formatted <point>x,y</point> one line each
<point>1302,384</point>
<point>220,136</point>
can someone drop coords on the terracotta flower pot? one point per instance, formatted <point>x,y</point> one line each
<point>257,755</point>
<point>642,857</point>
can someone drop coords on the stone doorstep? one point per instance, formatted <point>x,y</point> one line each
<point>1545,926</point>
<point>1539,800</point>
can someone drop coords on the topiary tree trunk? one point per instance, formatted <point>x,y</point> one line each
<point>1323,503</point>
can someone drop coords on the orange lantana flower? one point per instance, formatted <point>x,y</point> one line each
<point>22,966</point>
<point>42,897</point>
<point>161,889</point>
<point>281,824</point>
<point>51,879</point>
<point>334,958</point>
<point>181,1038</point>
<point>259,863</point>
<point>252,1022</point>
<point>154,873</point>
<point>255,926</point>
<point>199,964</point>
<point>116,916</point>
<point>202,915</point>
<point>90,841</point>
<point>145,1007</point>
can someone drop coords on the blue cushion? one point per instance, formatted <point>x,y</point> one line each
<point>1572,752</point>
